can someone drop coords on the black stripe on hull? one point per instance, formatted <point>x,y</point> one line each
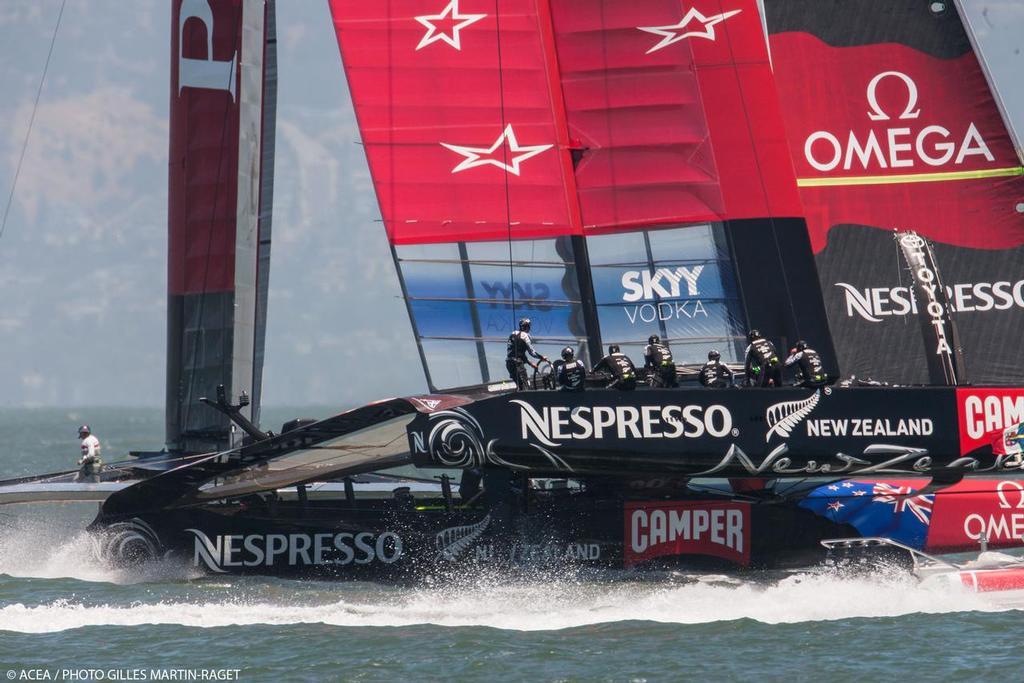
<point>847,23</point>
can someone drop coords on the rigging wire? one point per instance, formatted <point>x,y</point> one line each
<point>31,120</point>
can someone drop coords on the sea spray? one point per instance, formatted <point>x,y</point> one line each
<point>50,542</point>
<point>694,599</point>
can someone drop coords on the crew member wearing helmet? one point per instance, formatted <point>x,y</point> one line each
<point>763,368</point>
<point>570,371</point>
<point>519,346</point>
<point>715,374</point>
<point>661,369</point>
<point>90,462</point>
<point>812,370</point>
<point>620,367</point>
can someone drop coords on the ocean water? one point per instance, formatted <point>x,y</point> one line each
<point>65,617</point>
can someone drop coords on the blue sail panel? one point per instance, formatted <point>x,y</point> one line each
<point>677,283</point>
<point>464,300</point>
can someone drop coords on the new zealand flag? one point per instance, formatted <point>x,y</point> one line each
<point>875,509</point>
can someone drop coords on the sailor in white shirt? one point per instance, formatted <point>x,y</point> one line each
<point>90,461</point>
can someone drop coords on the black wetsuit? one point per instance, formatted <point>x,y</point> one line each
<point>716,375</point>
<point>621,368</point>
<point>811,367</point>
<point>519,345</point>
<point>661,370</point>
<point>763,367</point>
<point>571,376</point>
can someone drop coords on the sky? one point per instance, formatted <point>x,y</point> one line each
<point>83,256</point>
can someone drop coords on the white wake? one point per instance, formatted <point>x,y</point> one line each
<point>797,598</point>
<point>49,548</point>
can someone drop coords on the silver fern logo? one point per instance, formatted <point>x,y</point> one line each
<point>454,541</point>
<point>783,417</point>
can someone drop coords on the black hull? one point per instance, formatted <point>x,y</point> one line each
<point>599,480</point>
<point>518,529</point>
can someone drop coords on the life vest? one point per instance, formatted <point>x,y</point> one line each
<point>572,375</point>
<point>518,344</point>
<point>764,353</point>
<point>811,366</point>
<point>715,374</point>
<point>621,366</point>
<point>660,355</point>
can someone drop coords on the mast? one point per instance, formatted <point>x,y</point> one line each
<point>220,192</point>
<point>938,326</point>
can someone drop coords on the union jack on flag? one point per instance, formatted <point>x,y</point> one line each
<point>875,508</point>
<point>902,500</point>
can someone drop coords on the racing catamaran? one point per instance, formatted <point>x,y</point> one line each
<point>611,170</point>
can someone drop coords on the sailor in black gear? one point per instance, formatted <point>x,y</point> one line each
<point>658,363</point>
<point>570,371</point>
<point>763,368</point>
<point>812,370</point>
<point>715,374</point>
<point>620,367</point>
<point>519,346</point>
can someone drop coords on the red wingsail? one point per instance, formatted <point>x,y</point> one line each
<point>512,144</point>
<point>203,177</point>
<point>474,118</point>
<point>455,103</point>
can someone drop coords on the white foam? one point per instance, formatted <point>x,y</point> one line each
<point>56,547</point>
<point>798,598</point>
<point>46,548</point>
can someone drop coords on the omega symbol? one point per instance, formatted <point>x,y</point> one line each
<point>1003,502</point>
<point>876,113</point>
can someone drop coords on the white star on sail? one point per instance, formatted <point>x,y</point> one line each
<point>451,12</point>
<point>671,34</point>
<point>481,156</point>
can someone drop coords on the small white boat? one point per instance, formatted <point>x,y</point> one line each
<point>989,572</point>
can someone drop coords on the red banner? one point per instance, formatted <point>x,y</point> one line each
<point>203,157</point>
<point>985,413</point>
<point>887,136</point>
<point>966,512</point>
<point>659,529</point>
